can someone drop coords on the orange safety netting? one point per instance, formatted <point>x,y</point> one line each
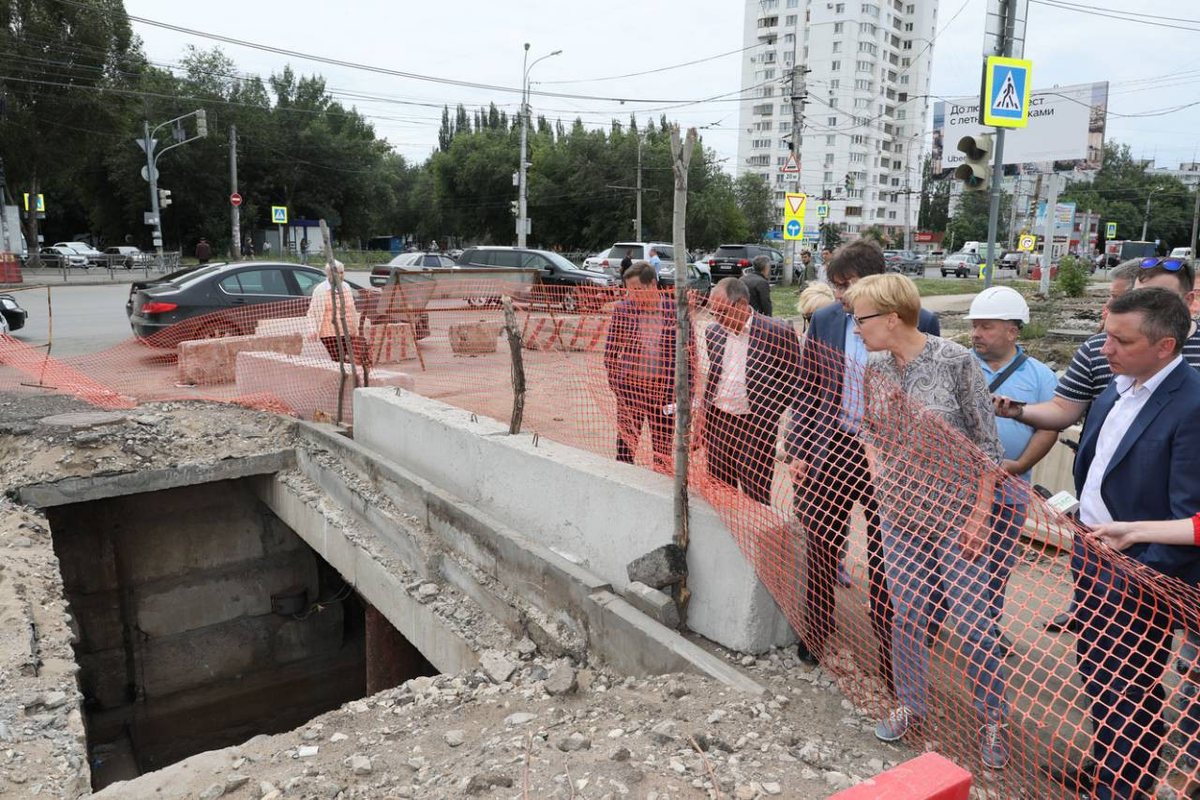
<point>889,489</point>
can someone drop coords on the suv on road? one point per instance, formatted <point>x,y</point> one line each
<point>559,283</point>
<point>731,260</point>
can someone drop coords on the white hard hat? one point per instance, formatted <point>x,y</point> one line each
<point>999,302</point>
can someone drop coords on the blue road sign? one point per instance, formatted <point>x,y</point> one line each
<point>794,228</point>
<point>1006,92</point>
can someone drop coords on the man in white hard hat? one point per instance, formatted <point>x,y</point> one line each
<point>996,316</point>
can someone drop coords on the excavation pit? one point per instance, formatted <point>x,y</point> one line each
<point>203,620</point>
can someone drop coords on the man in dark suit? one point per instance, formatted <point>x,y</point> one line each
<point>639,360</point>
<point>754,365</point>
<point>758,285</point>
<point>1139,458</point>
<point>828,462</point>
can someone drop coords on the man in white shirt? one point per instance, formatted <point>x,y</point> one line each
<point>754,368</point>
<point>1139,458</point>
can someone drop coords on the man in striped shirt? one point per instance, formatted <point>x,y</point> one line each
<point>1089,373</point>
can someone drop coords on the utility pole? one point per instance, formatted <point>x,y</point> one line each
<point>1048,234</point>
<point>1146,219</point>
<point>1195,222</point>
<point>637,224</point>
<point>1012,216</point>
<point>1004,49</point>
<point>799,95</point>
<point>521,208</point>
<point>907,211</point>
<point>235,243</point>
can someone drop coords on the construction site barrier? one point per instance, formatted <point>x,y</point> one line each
<point>893,492</point>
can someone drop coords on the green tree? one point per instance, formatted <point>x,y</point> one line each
<point>970,220</point>
<point>56,58</point>
<point>831,235</point>
<point>757,204</point>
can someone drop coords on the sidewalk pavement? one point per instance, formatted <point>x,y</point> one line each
<point>947,302</point>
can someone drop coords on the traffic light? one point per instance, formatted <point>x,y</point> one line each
<point>976,172</point>
<point>202,123</point>
<point>516,208</point>
<point>164,198</point>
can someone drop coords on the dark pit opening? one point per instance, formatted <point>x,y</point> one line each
<point>203,620</point>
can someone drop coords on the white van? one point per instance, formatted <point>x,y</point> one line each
<point>970,247</point>
<point>1181,252</point>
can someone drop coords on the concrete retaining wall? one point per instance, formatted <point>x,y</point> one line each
<point>306,384</point>
<point>590,510</point>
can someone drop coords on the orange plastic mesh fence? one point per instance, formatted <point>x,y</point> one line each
<point>810,466</point>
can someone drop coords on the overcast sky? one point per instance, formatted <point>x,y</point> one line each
<point>482,40</point>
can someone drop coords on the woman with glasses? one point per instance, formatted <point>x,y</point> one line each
<point>935,496</point>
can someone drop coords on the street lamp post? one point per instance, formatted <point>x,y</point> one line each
<point>522,208</point>
<point>1146,219</point>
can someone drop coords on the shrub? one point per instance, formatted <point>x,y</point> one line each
<point>1073,277</point>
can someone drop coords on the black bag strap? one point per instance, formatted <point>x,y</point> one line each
<point>999,380</point>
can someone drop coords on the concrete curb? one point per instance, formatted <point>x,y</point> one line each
<point>616,631</point>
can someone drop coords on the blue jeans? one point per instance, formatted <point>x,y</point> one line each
<point>1007,522</point>
<point>916,567</point>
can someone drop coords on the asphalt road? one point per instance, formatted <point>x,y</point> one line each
<point>88,319</point>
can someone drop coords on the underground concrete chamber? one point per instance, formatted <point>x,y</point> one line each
<point>203,620</point>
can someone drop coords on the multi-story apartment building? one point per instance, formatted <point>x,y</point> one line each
<point>867,106</point>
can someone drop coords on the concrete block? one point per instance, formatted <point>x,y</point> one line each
<point>662,566</point>
<point>99,618</point>
<point>102,678</point>
<point>604,513</point>
<point>307,384</point>
<point>390,342</point>
<point>657,605</point>
<point>473,338</point>
<point>211,655</point>
<point>205,362</point>
<point>209,598</point>
<point>283,326</point>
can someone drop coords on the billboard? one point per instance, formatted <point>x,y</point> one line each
<point>1064,220</point>
<point>1066,130</point>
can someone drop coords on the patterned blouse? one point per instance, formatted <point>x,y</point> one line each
<point>916,419</point>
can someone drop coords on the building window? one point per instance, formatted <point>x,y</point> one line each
<point>837,47</point>
<point>789,38</point>
<point>871,8</point>
<point>863,66</point>
<point>768,74</point>
<point>828,178</point>
<point>904,80</point>
<point>840,8</point>
<point>767,5</point>
<point>908,44</point>
<point>784,127</point>
<point>857,158</point>
<point>831,122</point>
<point>833,102</point>
<point>793,3</point>
<point>790,20</point>
<point>868,47</point>
<point>785,110</point>
<point>869,28</point>
<point>838,27</point>
<point>768,22</point>
<point>835,66</point>
<point>904,62</point>
<point>836,83</point>
<point>853,211</point>
<point>764,110</point>
<point>829,159</point>
<point>910,9</point>
<point>908,26</point>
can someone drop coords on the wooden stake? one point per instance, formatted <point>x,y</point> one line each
<point>518,366</point>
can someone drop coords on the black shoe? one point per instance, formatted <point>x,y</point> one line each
<point>1063,621</point>
<point>805,656</point>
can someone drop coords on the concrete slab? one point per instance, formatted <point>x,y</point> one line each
<point>79,490</point>
<point>307,384</point>
<point>602,515</point>
<point>205,362</point>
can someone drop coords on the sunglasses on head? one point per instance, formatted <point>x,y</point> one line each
<point>1169,264</point>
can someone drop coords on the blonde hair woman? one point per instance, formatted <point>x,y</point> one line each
<point>812,300</point>
<point>920,507</point>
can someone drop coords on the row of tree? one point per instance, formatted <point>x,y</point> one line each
<point>76,89</point>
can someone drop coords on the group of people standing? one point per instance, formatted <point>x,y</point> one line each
<point>865,406</point>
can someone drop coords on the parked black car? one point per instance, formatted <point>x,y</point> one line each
<point>559,282</point>
<point>733,259</point>
<point>698,281</point>
<point>170,277</point>
<point>12,312</point>
<point>247,290</point>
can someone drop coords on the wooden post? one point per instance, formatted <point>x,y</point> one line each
<point>518,366</point>
<point>681,156</point>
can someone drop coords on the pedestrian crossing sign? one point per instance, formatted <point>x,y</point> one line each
<point>1110,230</point>
<point>279,215</point>
<point>1006,88</point>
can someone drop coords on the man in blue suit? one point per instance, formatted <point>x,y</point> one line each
<point>754,365</point>
<point>1139,458</point>
<point>828,462</point>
